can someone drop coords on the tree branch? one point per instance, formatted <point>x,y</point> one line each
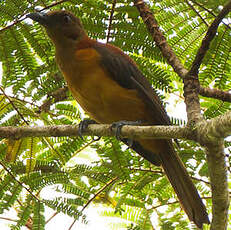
<point>204,132</point>
<point>191,82</point>
<point>159,38</point>
<point>208,38</point>
<point>209,11</point>
<point>152,132</point>
<point>219,184</point>
<point>215,93</point>
<point>214,130</point>
<point>95,195</point>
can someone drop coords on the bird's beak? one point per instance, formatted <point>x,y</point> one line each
<point>41,18</point>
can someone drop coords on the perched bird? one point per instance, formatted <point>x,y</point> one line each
<point>110,88</point>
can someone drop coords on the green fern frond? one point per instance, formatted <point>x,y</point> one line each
<point>9,198</point>
<point>60,206</point>
<point>30,155</point>
<point>38,216</point>
<point>79,192</point>
<point>23,213</point>
<point>38,180</point>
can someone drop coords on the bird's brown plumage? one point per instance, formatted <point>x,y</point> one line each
<point>110,88</point>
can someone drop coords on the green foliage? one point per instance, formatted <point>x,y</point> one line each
<point>38,217</point>
<point>106,172</point>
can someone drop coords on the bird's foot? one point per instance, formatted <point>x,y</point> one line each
<point>117,126</point>
<point>83,126</point>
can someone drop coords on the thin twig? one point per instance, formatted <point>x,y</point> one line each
<point>192,7</point>
<point>147,170</point>
<point>160,205</point>
<point>175,202</point>
<point>98,192</point>
<point>206,182</point>
<point>24,16</point>
<point>13,105</point>
<point>84,147</point>
<point>209,11</point>
<point>95,195</point>
<point>56,213</point>
<point>162,172</point>
<point>9,219</point>
<point>19,182</point>
<point>110,20</point>
<point>54,4</point>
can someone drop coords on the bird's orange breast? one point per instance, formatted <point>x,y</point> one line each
<point>97,93</point>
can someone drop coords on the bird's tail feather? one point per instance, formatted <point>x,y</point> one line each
<point>185,189</point>
<point>176,172</point>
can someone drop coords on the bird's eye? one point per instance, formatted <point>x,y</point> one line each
<point>67,18</point>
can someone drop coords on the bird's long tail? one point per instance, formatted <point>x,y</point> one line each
<point>181,182</point>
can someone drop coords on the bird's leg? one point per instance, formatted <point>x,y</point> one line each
<point>83,126</point>
<point>117,126</point>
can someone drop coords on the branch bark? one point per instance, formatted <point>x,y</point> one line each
<point>215,93</point>
<point>146,132</point>
<point>211,135</point>
<point>218,178</point>
<point>214,130</point>
<point>205,132</point>
<point>191,81</point>
<point>159,38</point>
<point>208,38</point>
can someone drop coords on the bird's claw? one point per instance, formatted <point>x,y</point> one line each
<point>117,126</point>
<point>83,126</point>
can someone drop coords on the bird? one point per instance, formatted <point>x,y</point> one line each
<point>110,88</point>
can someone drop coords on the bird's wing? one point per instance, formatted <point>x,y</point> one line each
<point>125,72</point>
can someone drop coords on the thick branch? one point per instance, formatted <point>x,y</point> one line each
<point>153,132</point>
<point>204,132</point>
<point>215,93</point>
<point>220,193</point>
<point>191,90</point>
<point>191,81</point>
<point>159,38</point>
<point>208,38</point>
<point>191,84</point>
<point>215,129</point>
